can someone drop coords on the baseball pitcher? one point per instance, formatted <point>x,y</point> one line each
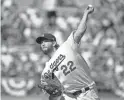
<point>67,75</point>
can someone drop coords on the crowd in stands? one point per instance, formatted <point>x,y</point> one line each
<point>102,46</point>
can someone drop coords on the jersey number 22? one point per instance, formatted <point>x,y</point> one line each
<point>68,68</point>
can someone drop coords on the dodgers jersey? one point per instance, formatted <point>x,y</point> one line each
<point>71,68</point>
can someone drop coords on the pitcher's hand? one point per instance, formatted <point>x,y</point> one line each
<point>89,9</point>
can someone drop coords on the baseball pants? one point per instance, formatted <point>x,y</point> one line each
<point>88,95</point>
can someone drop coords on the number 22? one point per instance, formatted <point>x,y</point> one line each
<point>69,65</point>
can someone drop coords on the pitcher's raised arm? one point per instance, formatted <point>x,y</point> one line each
<point>82,25</point>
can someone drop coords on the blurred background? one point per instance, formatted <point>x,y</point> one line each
<point>22,21</point>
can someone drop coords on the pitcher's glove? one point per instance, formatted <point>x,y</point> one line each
<point>51,85</point>
<point>51,89</point>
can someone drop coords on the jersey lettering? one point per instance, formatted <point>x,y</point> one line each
<point>47,75</point>
<point>58,61</point>
<point>54,65</point>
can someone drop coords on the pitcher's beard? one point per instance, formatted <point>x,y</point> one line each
<point>45,51</point>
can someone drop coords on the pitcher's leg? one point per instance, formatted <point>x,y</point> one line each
<point>89,95</point>
<point>66,97</point>
<point>55,98</point>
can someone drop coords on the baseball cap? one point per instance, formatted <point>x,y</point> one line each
<point>45,37</point>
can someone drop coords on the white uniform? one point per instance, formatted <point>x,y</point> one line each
<point>72,71</point>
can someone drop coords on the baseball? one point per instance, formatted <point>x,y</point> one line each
<point>90,6</point>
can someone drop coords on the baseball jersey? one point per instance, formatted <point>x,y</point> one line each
<point>71,68</point>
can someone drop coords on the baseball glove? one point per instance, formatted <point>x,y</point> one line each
<point>51,85</point>
<point>51,89</point>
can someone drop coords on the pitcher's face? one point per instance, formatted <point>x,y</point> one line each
<point>46,46</point>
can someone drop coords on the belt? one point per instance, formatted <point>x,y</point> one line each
<point>83,90</point>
